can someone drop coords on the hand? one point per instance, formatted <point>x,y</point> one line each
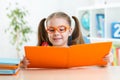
<point>25,62</point>
<point>109,59</point>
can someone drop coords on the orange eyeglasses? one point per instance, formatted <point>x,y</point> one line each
<point>60,29</point>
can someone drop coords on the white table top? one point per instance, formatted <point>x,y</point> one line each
<point>82,73</point>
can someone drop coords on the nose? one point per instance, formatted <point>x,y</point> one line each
<point>56,33</point>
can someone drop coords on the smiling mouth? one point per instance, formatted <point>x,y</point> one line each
<point>56,39</point>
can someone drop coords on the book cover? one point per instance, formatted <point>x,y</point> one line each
<point>7,71</point>
<point>115,30</point>
<point>100,25</point>
<point>7,66</point>
<point>118,55</point>
<point>10,61</point>
<point>115,60</point>
<point>65,57</point>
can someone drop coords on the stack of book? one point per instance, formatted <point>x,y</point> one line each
<point>9,65</point>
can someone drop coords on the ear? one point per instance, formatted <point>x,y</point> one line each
<point>70,31</point>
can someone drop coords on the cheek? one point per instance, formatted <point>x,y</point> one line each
<point>50,36</point>
<point>66,35</point>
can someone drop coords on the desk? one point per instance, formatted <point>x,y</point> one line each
<point>82,73</point>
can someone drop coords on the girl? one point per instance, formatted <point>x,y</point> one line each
<point>56,30</point>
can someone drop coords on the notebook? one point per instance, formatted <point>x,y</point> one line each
<point>66,57</point>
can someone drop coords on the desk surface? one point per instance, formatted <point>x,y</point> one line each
<point>82,73</point>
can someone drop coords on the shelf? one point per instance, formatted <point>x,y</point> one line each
<point>104,39</point>
<point>102,22</point>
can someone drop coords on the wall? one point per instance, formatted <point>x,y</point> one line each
<point>70,6</point>
<point>101,2</point>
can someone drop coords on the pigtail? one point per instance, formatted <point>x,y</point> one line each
<point>77,37</point>
<point>42,34</point>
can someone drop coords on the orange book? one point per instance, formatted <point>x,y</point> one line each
<point>66,57</point>
<point>7,66</point>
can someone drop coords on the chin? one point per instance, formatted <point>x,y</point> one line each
<point>57,44</point>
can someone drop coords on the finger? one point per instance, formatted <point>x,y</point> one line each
<point>28,62</point>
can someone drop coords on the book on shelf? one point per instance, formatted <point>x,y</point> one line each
<point>118,55</point>
<point>115,30</point>
<point>115,61</point>
<point>100,25</point>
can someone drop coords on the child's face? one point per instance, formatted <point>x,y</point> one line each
<point>58,31</point>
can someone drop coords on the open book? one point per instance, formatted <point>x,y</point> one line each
<point>66,57</point>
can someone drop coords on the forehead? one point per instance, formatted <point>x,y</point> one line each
<point>57,22</point>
